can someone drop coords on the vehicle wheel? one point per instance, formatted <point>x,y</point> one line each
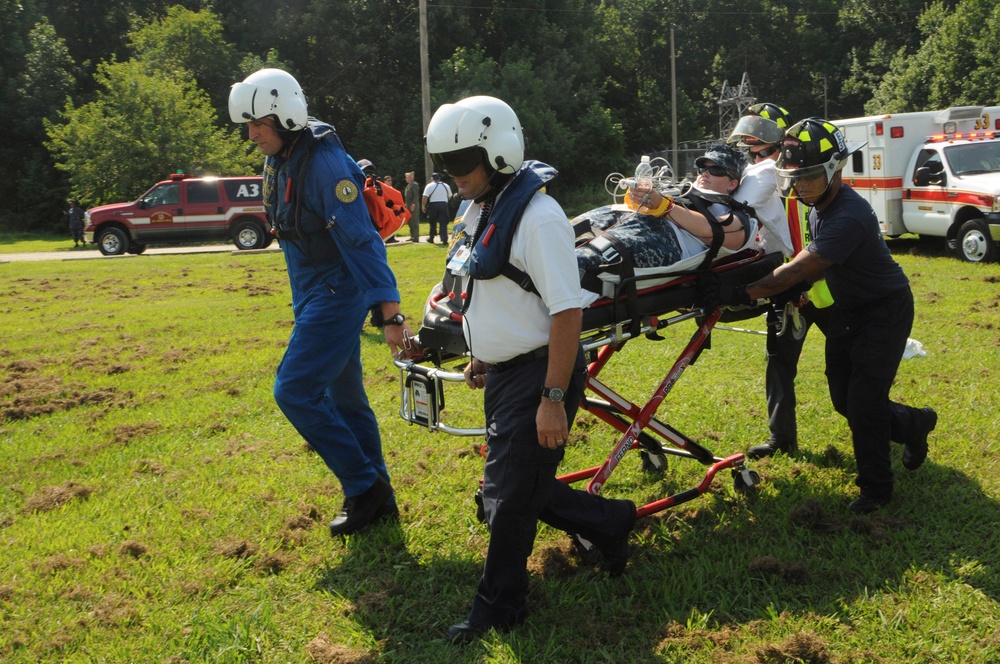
<point>248,235</point>
<point>745,483</point>
<point>268,239</point>
<point>112,242</point>
<point>974,242</point>
<point>136,248</point>
<point>653,462</point>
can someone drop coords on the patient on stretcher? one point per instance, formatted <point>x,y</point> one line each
<point>656,231</point>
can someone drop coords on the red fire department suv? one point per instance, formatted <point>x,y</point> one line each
<point>183,209</point>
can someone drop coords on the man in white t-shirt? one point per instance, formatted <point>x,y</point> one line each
<point>435,206</point>
<point>524,339</point>
<point>760,132</point>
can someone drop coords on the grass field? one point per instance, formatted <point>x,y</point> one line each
<point>156,507</point>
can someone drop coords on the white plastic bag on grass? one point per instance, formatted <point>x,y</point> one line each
<point>913,349</point>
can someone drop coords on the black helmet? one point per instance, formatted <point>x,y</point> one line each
<point>812,148</point>
<point>725,156</point>
<point>761,124</point>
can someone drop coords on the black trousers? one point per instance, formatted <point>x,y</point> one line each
<point>437,214</point>
<point>864,347</point>
<point>779,377</point>
<point>520,488</point>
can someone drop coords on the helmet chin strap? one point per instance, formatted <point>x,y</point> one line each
<point>823,197</point>
<point>497,180</point>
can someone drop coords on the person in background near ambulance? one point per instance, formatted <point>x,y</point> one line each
<point>337,270</point>
<point>435,206</point>
<point>526,353</point>
<point>760,132</point>
<point>867,326</point>
<point>76,216</point>
<point>411,199</point>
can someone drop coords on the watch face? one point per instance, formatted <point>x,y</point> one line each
<point>553,393</point>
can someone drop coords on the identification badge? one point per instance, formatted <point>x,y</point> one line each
<point>459,262</point>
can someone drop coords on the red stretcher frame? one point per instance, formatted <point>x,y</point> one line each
<point>637,424</point>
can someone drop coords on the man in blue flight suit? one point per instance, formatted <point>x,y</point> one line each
<point>338,272</point>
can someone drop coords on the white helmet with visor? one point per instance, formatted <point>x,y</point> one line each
<point>476,130</point>
<point>269,92</point>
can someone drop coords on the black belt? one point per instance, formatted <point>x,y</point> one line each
<point>524,358</point>
<point>290,234</point>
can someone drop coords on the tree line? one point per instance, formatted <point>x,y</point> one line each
<point>105,97</point>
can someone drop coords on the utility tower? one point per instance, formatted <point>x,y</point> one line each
<point>733,101</point>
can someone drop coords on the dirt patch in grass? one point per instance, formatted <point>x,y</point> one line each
<point>114,611</point>
<point>236,548</point>
<point>58,563</point>
<point>805,647</point>
<point>297,527</point>
<point>123,434</point>
<point>25,393</point>
<point>323,650</point>
<point>272,563</point>
<point>794,571</point>
<point>133,549</point>
<point>143,466</point>
<point>49,498</point>
<point>558,560</point>
<point>810,514</point>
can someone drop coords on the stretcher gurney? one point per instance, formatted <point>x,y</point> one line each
<point>635,310</point>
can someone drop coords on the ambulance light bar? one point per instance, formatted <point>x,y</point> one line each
<point>970,136</point>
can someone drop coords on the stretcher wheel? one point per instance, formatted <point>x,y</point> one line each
<point>745,480</point>
<point>653,462</point>
<point>583,547</point>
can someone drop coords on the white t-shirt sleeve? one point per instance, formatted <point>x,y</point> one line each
<point>547,254</point>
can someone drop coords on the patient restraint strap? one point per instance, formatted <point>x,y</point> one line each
<point>740,212</point>
<point>618,259</point>
<point>718,234</point>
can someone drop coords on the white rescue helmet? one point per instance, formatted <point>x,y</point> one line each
<point>476,127</point>
<point>269,92</point>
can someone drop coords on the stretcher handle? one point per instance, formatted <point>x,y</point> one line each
<point>442,309</point>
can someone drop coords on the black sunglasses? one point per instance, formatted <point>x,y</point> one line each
<point>765,153</point>
<point>458,163</point>
<point>717,171</point>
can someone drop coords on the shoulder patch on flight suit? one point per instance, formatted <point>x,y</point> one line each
<point>347,191</point>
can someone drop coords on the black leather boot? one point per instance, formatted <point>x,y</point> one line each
<point>770,448</point>
<point>359,511</point>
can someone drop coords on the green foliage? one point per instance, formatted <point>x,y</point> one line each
<point>189,44</point>
<point>43,86</point>
<point>956,63</point>
<point>141,127</point>
<point>593,80</point>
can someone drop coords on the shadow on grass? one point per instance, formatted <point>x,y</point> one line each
<point>720,573</point>
<point>927,247</point>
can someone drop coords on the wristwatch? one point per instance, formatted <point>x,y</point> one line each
<point>398,319</point>
<point>553,394</point>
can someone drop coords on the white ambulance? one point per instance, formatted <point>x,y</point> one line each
<point>933,173</point>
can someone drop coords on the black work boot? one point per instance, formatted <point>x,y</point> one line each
<point>359,511</point>
<point>865,504</point>
<point>614,552</point>
<point>770,448</point>
<point>915,451</point>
